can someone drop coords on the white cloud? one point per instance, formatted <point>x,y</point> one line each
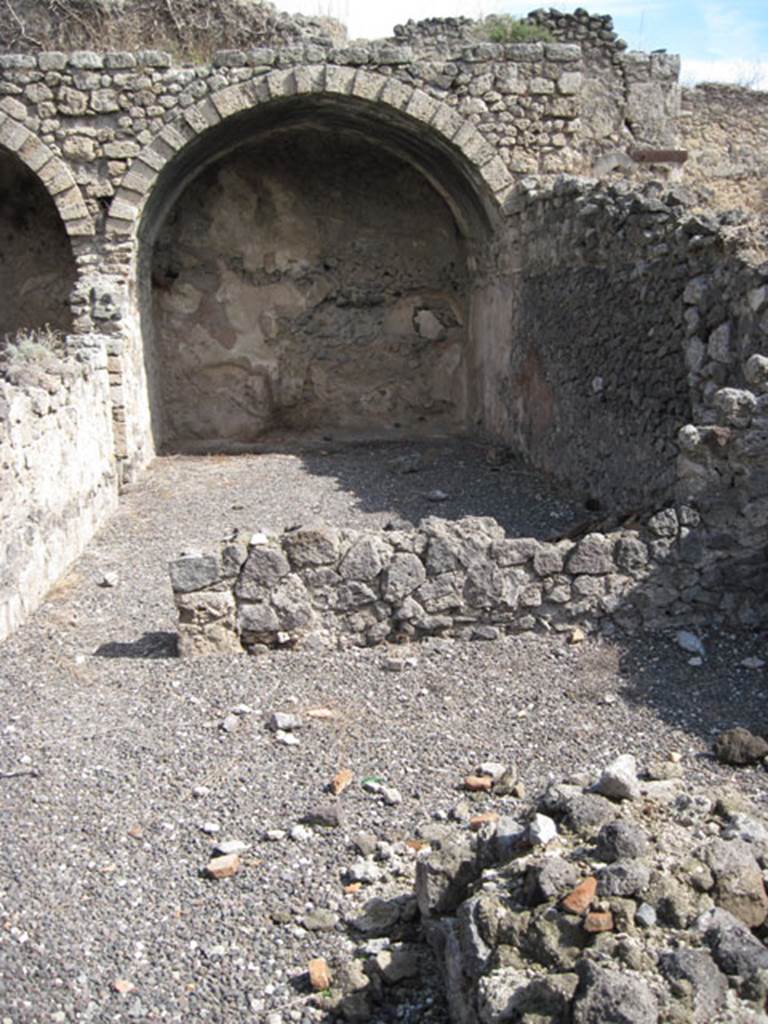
<point>732,33</point>
<point>722,69</point>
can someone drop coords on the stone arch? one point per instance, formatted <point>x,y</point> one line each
<point>462,143</point>
<point>51,171</point>
<point>450,157</point>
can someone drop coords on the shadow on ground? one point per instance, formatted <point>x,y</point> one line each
<point>703,699</point>
<point>450,479</point>
<point>150,645</point>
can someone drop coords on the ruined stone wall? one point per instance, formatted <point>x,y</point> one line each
<point>308,283</point>
<point>57,471</point>
<point>119,141</point>
<point>693,347</point>
<point>99,109</point>
<point>725,130</point>
<point>604,358</point>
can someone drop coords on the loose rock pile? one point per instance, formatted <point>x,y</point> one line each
<point>631,900</point>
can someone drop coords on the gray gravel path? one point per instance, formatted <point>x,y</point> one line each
<point>102,848</point>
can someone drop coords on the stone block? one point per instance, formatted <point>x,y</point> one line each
<point>262,57</point>
<point>403,576</point>
<point>126,206</point>
<point>570,83</point>
<point>194,572</point>
<point>422,106</point>
<point>263,570</point>
<point>71,207</point>
<point>473,145</point>
<point>230,59</point>
<point>34,153</point>
<point>563,53</point>
<point>86,60</point>
<point>176,136</point>
<point>496,176</point>
<point>119,61</point>
<point>309,79</point>
<point>312,546</point>
<point>105,101</point>
<point>396,95</point>
<point>72,102</point>
<point>541,86</point>
<point>448,122</point>
<point>339,79</point>
<point>259,619</point>
<point>593,556</point>
<point>154,59</point>
<point>17,62</point>
<point>232,100</point>
<point>13,107</point>
<point>52,60</point>
<point>55,176</point>
<point>140,178</point>
<point>528,53</point>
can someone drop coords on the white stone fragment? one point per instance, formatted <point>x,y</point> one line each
<point>287,739</point>
<point>364,871</point>
<point>619,780</point>
<point>230,846</point>
<point>691,643</point>
<point>283,722</point>
<point>542,830</point>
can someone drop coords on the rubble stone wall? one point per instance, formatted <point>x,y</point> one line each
<point>465,579</point>
<point>57,473</point>
<point>595,386</point>
<point>724,128</point>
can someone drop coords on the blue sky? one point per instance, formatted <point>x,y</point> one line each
<point>717,40</point>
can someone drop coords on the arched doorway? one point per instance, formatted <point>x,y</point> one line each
<point>37,267</point>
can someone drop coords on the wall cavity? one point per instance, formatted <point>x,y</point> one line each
<point>37,268</point>
<point>310,280</point>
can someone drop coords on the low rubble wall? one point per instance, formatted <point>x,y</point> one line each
<point>57,476</point>
<point>463,579</point>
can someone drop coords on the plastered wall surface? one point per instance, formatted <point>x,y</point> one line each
<point>308,283</point>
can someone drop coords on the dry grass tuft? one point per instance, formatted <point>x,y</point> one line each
<point>188,29</point>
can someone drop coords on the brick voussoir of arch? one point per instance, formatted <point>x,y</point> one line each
<point>311,79</point>
<point>54,175</point>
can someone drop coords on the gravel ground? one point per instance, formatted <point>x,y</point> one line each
<point>102,845</point>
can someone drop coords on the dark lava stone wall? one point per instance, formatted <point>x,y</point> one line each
<point>598,384</point>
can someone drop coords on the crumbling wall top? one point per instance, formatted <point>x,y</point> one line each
<point>188,28</point>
